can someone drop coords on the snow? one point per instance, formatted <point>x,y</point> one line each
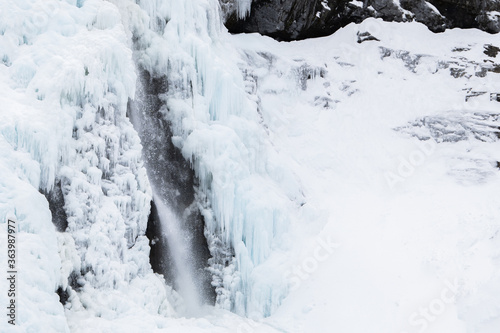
<point>324,176</point>
<point>36,250</point>
<point>65,89</point>
<point>325,5</point>
<point>434,9</point>
<point>357,3</point>
<point>493,15</point>
<point>400,246</point>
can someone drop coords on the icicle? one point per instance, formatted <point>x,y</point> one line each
<point>217,128</point>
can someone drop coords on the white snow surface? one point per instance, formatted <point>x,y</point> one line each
<point>339,222</point>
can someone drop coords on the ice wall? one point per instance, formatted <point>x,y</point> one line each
<point>67,74</point>
<point>38,262</point>
<point>247,194</point>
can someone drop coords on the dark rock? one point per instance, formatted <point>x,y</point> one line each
<point>472,94</point>
<point>296,19</point>
<point>55,199</point>
<point>411,61</point>
<point>301,19</point>
<point>425,14</point>
<point>160,257</point>
<point>457,72</point>
<point>366,36</point>
<point>63,295</point>
<point>491,51</point>
<point>461,49</point>
<point>75,279</point>
<point>458,13</point>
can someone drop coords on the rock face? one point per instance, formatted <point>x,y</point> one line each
<point>482,14</point>
<point>300,19</point>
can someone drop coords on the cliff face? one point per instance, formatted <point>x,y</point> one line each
<point>482,14</point>
<point>301,19</point>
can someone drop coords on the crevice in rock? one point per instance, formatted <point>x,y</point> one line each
<point>63,295</point>
<point>55,199</point>
<point>159,257</point>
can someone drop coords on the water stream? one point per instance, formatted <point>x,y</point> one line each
<point>179,249</point>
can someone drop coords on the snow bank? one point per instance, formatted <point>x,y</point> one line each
<point>372,253</point>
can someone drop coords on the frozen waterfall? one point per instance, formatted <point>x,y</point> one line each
<point>179,248</point>
<point>245,193</point>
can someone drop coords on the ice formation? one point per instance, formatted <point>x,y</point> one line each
<point>68,74</point>
<point>218,128</point>
<point>289,141</point>
<point>74,64</point>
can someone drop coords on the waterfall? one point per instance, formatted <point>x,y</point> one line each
<point>179,243</point>
<point>192,93</point>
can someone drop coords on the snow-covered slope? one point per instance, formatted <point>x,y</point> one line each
<point>399,161</point>
<point>345,186</point>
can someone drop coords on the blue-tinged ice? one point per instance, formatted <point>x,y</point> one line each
<point>217,126</point>
<point>65,81</point>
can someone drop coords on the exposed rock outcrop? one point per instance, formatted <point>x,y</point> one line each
<point>300,19</point>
